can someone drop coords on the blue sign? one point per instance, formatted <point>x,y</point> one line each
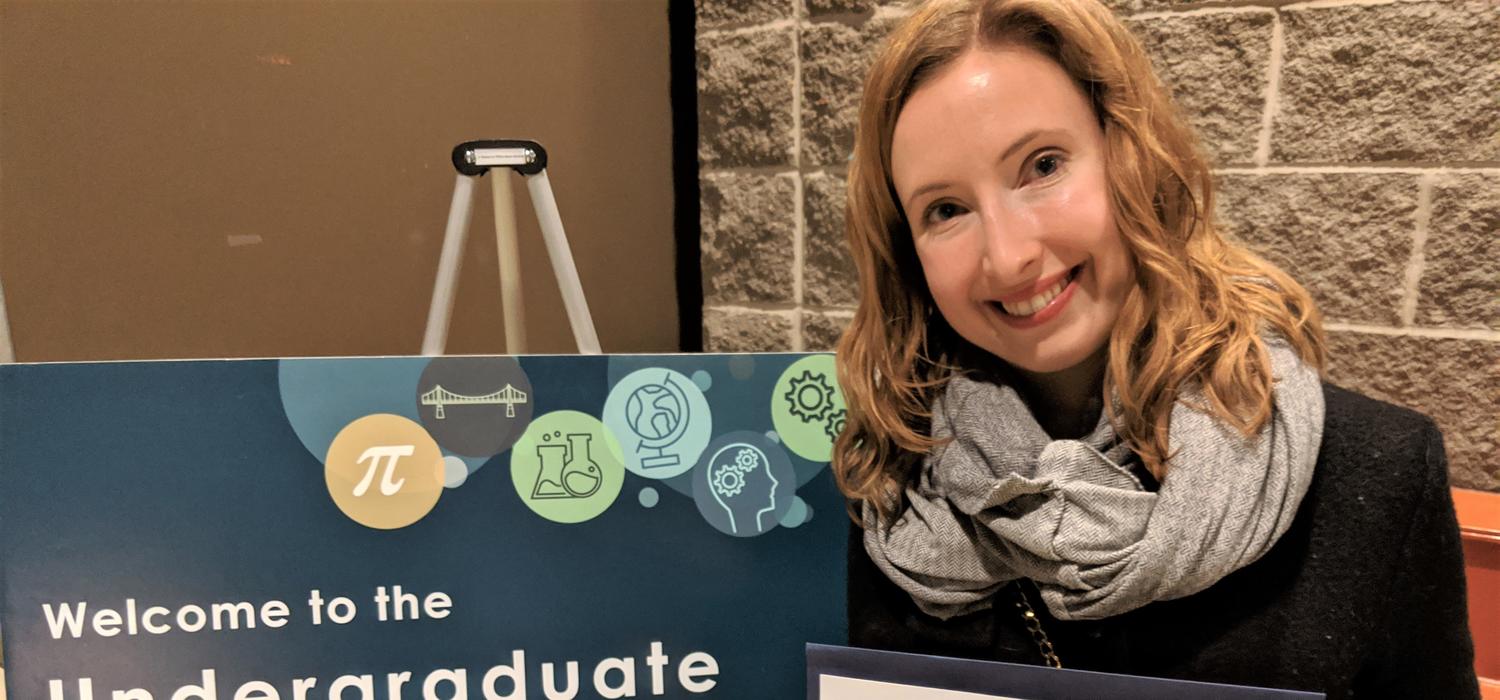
<point>492,528</point>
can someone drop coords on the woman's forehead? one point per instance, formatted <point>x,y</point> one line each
<point>985,95</point>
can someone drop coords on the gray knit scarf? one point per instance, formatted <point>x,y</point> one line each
<point>1003,501</point>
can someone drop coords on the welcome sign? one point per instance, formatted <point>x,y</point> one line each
<point>386,528</point>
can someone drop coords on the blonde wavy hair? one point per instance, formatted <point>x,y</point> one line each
<point>1195,317</point>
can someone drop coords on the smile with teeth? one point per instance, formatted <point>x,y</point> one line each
<point>1040,301</point>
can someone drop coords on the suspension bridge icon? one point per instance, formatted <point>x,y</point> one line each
<point>509,396</point>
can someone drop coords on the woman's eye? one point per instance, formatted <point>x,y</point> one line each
<point>1044,166</point>
<point>941,212</point>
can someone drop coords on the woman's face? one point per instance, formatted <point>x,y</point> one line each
<point>998,161</point>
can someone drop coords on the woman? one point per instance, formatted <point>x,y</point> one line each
<point>1084,429</point>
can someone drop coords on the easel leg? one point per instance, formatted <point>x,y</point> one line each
<point>509,253</point>
<point>446,284</point>
<point>7,348</point>
<point>562,263</point>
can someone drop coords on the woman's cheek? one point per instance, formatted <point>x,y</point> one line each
<point>948,263</point>
<point>1068,208</point>
<point>939,269</point>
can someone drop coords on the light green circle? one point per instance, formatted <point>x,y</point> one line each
<point>808,408</point>
<point>549,476</point>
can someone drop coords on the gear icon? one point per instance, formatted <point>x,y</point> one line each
<point>745,459</point>
<point>729,481</point>
<point>835,424</point>
<point>810,397</point>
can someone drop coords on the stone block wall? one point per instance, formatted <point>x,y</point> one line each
<point>1356,143</point>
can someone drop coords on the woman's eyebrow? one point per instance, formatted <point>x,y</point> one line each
<point>911,199</point>
<point>1026,140</point>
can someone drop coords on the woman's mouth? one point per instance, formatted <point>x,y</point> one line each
<point>1042,306</point>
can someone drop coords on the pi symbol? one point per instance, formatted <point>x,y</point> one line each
<point>388,455</point>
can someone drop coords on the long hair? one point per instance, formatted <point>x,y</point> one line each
<point>1194,318</point>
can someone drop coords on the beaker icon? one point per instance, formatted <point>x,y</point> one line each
<point>581,476</point>
<point>568,471</point>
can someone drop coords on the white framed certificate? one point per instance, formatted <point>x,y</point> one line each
<point>842,687</point>
<point>842,673</point>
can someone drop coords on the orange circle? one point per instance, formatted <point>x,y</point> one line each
<point>384,471</point>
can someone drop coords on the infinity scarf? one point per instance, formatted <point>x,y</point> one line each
<point>1002,501</point>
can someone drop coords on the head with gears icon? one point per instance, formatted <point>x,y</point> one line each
<point>740,479</point>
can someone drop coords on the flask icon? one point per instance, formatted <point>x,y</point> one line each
<point>568,470</point>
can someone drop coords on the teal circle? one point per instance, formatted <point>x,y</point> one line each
<point>798,514</point>
<point>703,380</point>
<point>649,497</point>
<point>661,419</point>
<point>567,467</point>
<point>321,396</point>
<point>808,408</point>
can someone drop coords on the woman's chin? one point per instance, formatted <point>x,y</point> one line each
<point>1056,363</point>
<point>1048,366</point>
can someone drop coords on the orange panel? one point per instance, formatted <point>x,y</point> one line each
<point>1482,564</point>
<point>1478,513</point>
<point>1479,523</point>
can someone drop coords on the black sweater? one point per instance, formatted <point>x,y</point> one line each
<point>1362,597</point>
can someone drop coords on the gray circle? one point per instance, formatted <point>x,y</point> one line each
<point>475,406</point>
<point>741,367</point>
<point>744,484</point>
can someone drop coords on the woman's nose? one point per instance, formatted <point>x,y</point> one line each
<point>1012,248</point>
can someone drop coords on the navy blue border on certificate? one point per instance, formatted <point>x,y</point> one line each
<point>1015,680</point>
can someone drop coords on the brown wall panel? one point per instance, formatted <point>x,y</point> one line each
<point>272,179</point>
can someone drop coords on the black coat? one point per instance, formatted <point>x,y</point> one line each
<point>1362,597</point>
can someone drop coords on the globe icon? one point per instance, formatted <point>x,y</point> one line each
<point>657,413</point>
<point>661,418</point>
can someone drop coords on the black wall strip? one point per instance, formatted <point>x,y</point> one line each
<point>682,28</point>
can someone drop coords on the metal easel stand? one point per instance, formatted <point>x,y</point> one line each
<point>528,159</point>
<point>7,350</point>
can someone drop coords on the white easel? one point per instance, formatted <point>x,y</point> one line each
<point>473,159</point>
<point>7,356</point>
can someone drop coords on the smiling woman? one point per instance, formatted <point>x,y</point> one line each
<point>1065,386</point>
<point>1008,244</point>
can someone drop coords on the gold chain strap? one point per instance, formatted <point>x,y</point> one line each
<point>1034,625</point>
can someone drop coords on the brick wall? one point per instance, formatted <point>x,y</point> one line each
<point>1356,144</point>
